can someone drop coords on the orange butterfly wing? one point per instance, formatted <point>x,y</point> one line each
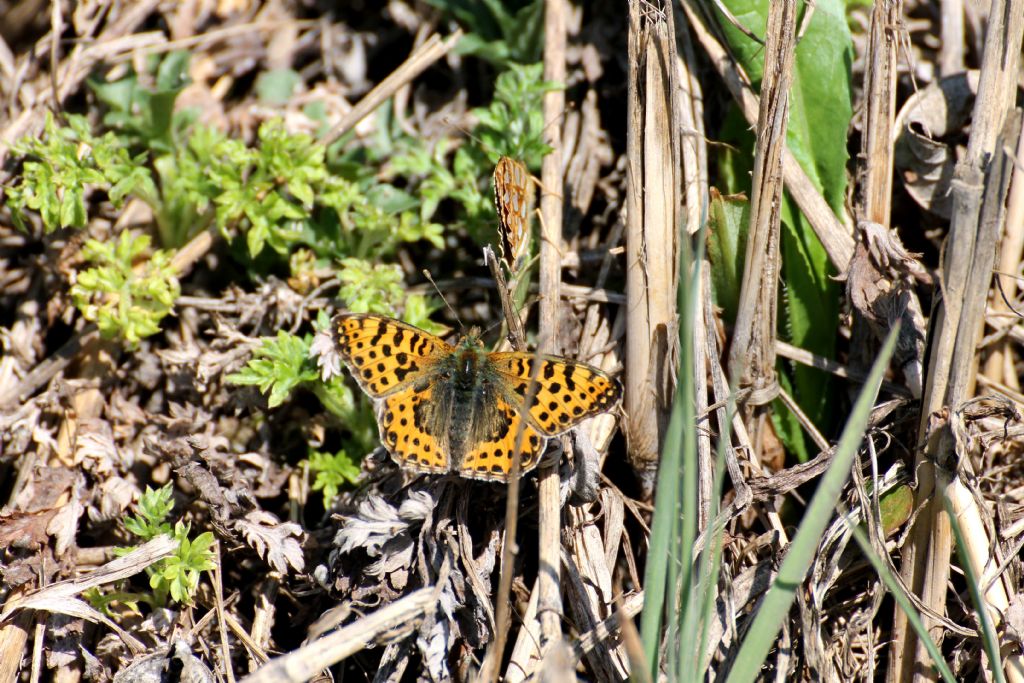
<point>567,393</point>
<point>385,355</point>
<point>512,197</point>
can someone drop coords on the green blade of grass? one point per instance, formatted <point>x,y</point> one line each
<point>903,600</point>
<point>774,608</point>
<point>989,639</point>
<point>686,659</point>
<point>670,526</point>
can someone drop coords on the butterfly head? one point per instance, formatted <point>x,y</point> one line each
<point>472,339</point>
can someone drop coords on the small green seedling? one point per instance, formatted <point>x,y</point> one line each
<point>124,301</point>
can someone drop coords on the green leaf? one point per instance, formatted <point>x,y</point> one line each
<point>63,165</point>
<point>123,300</point>
<point>278,367</point>
<point>499,32</point>
<point>332,471</point>
<point>277,86</point>
<point>728,222</point>
<point>153,507</point>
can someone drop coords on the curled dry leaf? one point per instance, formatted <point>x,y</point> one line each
<point>276,542</point>
<point>115,496</point>
<point>879,288</point>
<point>926,150</point>
<point>95,448</point>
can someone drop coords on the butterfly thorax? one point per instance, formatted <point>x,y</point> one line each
<point>464,410</point>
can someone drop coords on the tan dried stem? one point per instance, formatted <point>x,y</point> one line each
<point>304,663</point>
<point>979,195</point>
<point>752,354</point>
<point>548,587</point>
<point>1000,365</point>
<point>428,53</point>
<point>880,73</point>
<point>653,205</point>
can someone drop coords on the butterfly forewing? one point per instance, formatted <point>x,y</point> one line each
<point>385,355</point>
<point>512,196</point>
<point>567,393</point>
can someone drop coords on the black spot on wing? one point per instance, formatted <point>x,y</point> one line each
<point>567,374</point>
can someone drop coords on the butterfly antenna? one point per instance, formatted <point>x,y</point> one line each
<point>452,123</point>
<point>426,274</point>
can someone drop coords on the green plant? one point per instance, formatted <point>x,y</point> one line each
<point>176,576</point>
<point>511,125</point>
<point>64,165</point>
<point>152,511</point>
<point>178,152</point>
<point>278,366</point>
<point>332,471</point>
<point>496,31</point>
<point>122,300</point>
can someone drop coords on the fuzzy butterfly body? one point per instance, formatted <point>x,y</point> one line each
<point>458,408</point>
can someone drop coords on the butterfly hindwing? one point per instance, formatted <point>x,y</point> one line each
<point>567,393</point>
<point>384,354</point>
<point>408,431</point>
<point>490,453</point>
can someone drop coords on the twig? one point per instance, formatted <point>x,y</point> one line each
<point>218,595</point>
<point>307,661</point>
<point>502,618</point>
<point>549,603</point>
<point>431,51</point>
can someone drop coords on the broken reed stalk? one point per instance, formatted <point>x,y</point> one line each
<point>752,353</point>
<point>877,149</point>
<point>652,220</point>
<point>956,324</point>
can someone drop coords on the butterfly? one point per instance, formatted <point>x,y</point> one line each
<point>513,193</point>
<point>445,408</point>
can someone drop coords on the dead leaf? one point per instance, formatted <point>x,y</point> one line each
<point>276,542</point>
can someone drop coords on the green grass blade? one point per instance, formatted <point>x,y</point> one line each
<point>673,527</point>
<point>989,639</point>
<point>666,503</point>
<point>903,600</point>
<point>775,608</point>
